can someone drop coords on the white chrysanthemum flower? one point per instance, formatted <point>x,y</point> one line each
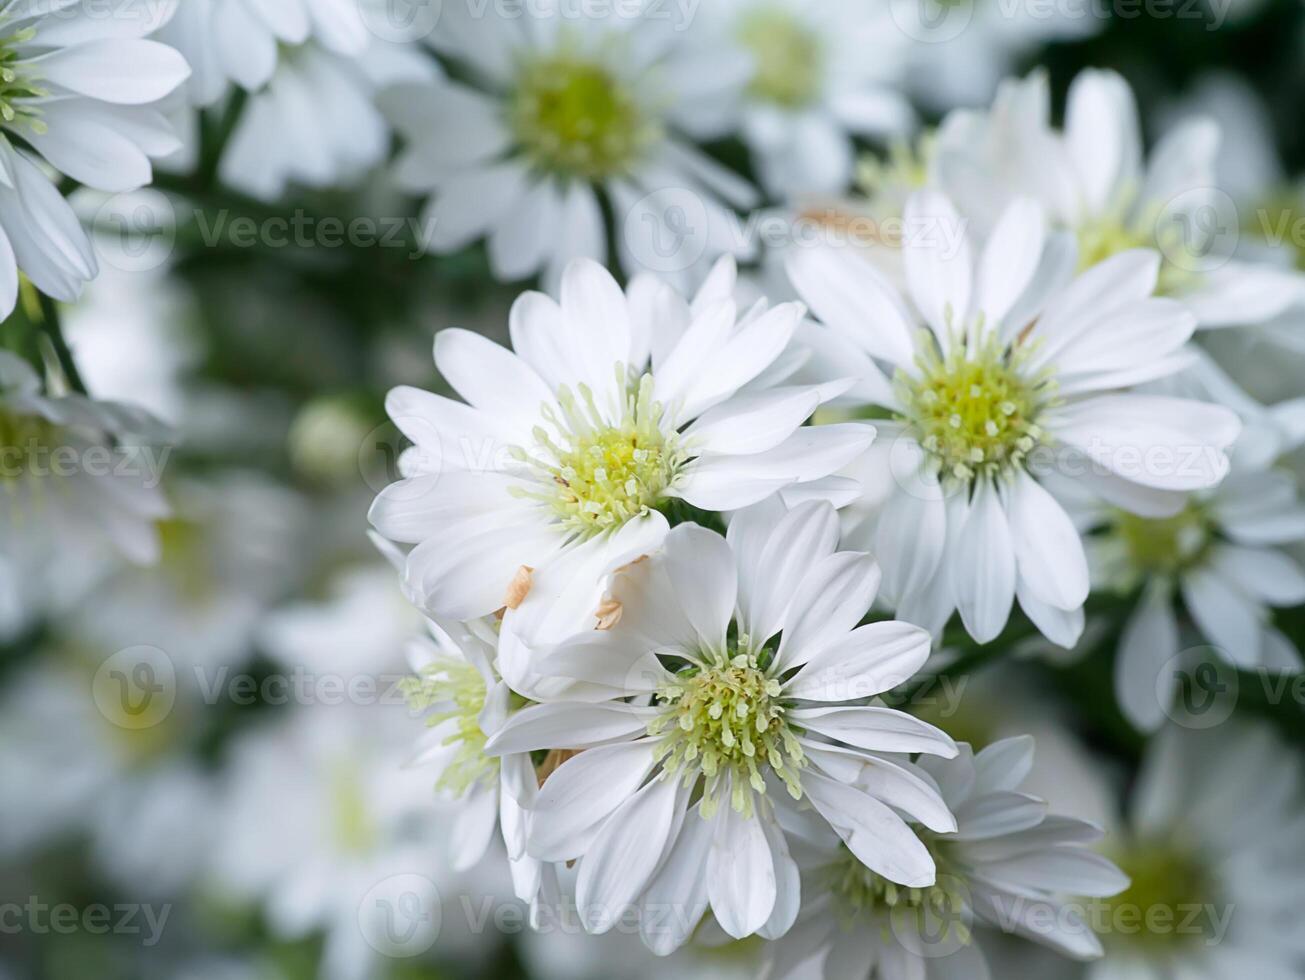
<point>125,783</point>
<point>1009,866</point>
<point>79,478</point>
<point>315,819</point>
<point>243,41</point>
<point>1223,556</point>
<point>1213,879</point>
<point>228,551</point>
<point>80,91</point>
<point>748,675</point>
<point>466,702</point>
<point>821,70</point>
<point>563,112</point>
<point>1092,180</point>
<point>1020,379</point>
<point>312,70</point>
<point>614,408</point>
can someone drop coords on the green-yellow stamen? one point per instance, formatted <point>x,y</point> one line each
<point>574,116</point>
<point>727,720</point>
<point>459,690</point>
<point>861,896</point>
<point>789,57</point>
<point>1168,545</point>
<point>1170,899</point>
<point>352,823</point>
<point>26,443</point>
<point>974,411</point>
<point>1110,233</point>
<point>600,475</point>
<point>18,84</point>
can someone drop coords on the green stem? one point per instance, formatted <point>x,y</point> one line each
<point>52,326</point>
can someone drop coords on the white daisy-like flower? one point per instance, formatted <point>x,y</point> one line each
<point>1223,560</point>
<point>749,677</point>
<point>466,702</point>
<point>1212,878</point>
<point>562,113</point>
<point>230,550</point>
<point>615,408</point>
<point>77,474</point>
<point>315,817</point>
<point>1009,866</point>
<point>1020,380</point>
<point>821,70</point>
<point>315,123</point>
<point>312,71</point>
<point>126,784</point>
<point>1092,179</point>
<point>243,41</point>
<point>79,91</point>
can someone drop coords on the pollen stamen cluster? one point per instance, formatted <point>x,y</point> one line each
<point>600,475</point>
<point>18,86</point>
<point>974,409</point>
<point>860,893</point>
<point>573,116</point>
<point>1166,545</point>
<point>726,723</point>
<point>459,691</point>
<point>788,57</point>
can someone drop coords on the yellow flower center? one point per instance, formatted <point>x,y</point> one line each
<point>974,411</point>
<point>458,690</point>
<point>1109,234</point>
<point>1169,902</point>
<point>18,87</point>
<point>1169,545</point>
<point>576,117</point>
<point>601,475</point>
<point>727,720</point>
<point>860,896</point>
<point>789,57</point>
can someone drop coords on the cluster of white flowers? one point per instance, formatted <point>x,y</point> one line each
<point>679,557</point>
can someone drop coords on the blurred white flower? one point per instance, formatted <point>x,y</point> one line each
<point>315,123</point>
<point>1009,866</point>
<point>966,47</point>
<point>821,70</point>
<point>243,41</point>
<point>558,470</point>
<point>682,804</point>
<point>466,702</point>
<point>560,113</point>
<point>359,629</point>
<point>1093,180</point>
<point>1223,556</point>
<point>80,486</point>
<point>81,91</point>
<point>1209,873</point>
<point>231,550</point>
<point>68,769</point>
<point>317,819</point>
<point>1021,382</point>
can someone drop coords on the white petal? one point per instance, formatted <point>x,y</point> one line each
<point>1048,549</point>
<point>1148,644</point>
<point>876,730</point>
<point>879,838</point>
<point>870,660</point>
<point>740,873</point>
<point>1231,620</point>
<point>579,796</point>
<point>567,725</point>
<point>702,573</point>
<point>937,259</point>
<point>983,576</point>
<point>834,596</point>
